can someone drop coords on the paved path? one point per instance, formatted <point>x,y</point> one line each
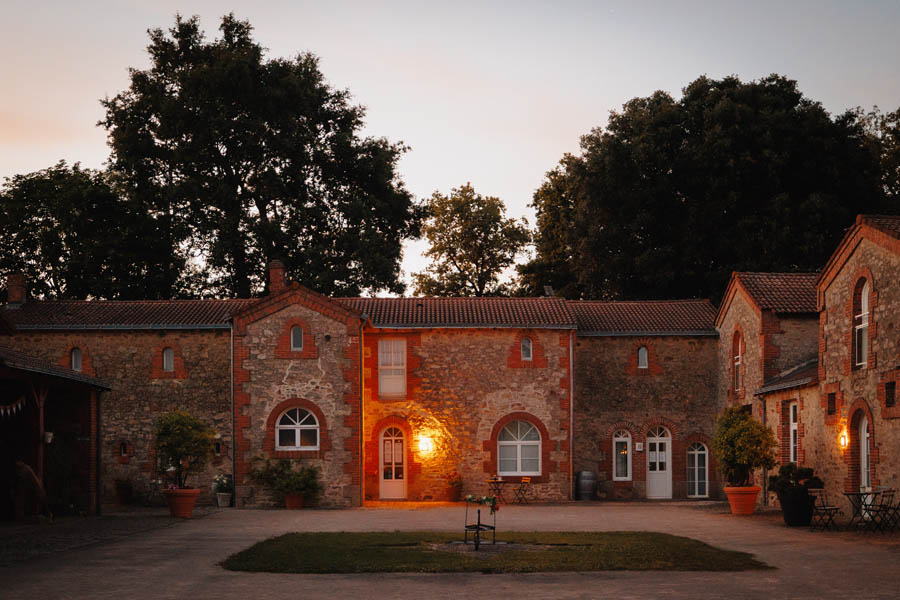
<point>182,560</point>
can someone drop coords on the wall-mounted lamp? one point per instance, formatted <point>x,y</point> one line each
<point>843,440</point>
<point>48,437</point>
<point>426,445</point>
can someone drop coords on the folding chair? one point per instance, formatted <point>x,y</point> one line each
<point>823,511</point>
<point>883,512</point>
<point>522,490</point>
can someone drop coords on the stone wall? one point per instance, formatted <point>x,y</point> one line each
<point>859,390</point>
<point>677,391</point>
<point>742,316</point>
<point>797,341</point>
<point>463,385</point>
<point>322,378</point>
<point>811,451</point>
<point>127,362</point>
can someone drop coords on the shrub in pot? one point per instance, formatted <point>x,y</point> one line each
<point>741,445</point>
<point>792,485</point>
<point>223,486</point>
<point>183,445</point>
<point>455,483</point>
<point>296,486</point>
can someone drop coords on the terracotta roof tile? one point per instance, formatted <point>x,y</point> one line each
<point>463,312</point>
<point>886,223</point>
<point>126,314</point>
<point>23,362</point>
<point>782,292</point>
<point>670,317</point>
<point>806,373</point>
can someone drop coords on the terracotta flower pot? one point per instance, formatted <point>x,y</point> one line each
<point>293,501</point>
<point>742,499</point>
<point>181,502</point>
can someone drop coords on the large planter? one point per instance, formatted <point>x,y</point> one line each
<point>223,499</point>
<point>742,499</point>
<point>455,493</point>
<point>181,502</point>
<point>293,501</point>
<point>796,507</point>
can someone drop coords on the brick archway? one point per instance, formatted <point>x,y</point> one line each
<point>372,456</point>
<point>858,410</point>
<point>547,444</point>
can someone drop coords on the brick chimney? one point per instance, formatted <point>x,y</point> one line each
<point>276,277</point>
<point>16,290</point>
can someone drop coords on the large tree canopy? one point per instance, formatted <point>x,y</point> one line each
<point>75,236</point>
<point>248,159</point>
<point>471,243</point>
<point>674,195</point>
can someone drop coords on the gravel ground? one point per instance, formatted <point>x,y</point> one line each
<point>38,537</point>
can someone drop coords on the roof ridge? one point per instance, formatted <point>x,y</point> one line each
<point>640,301</point>
<point>150,301</point>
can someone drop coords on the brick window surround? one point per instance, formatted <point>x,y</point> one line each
<point>835,418</point>
<point>547,445</point>
<point>889,412</point>
<point>283,346</point>
<point>851,454</point>
<point>123,458</point>
<point>653,366</point>
<point>861,278</point>
<point>178,372</point>
<point>514,356</point>
<point>373,455</point>
<point>275,414</point>
<point>738,348</point>
<point>87,365</point>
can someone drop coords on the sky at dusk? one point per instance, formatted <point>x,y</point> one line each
<point>488,92</point>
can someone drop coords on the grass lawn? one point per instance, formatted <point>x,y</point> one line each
<point>429,552</point>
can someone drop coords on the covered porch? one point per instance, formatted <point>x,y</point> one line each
<point>49,425</point>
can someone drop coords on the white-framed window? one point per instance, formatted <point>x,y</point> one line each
<point>698,485</point>
<point>392,367</point>
<point>643,358</point>
<point>75,359</point>
<point>519,449</point>
<point>526,348</point>
<point>296,338</point>
<point>861,328</point>
<point>168,359</point>
<point>621,456</point>
<point>794,419</point>
<point>297,429</point>
<point>736,347</point>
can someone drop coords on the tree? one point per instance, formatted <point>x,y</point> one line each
<point>250,159</point>
<point>674,195</point>
<point>75,236</point>
<point>471,243</point>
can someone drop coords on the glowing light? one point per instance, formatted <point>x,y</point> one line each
<point>426,445</point>
<point>843,440</point>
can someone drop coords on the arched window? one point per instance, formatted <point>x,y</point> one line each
<point>75,356</point>
<point>168,359</point>
<point>296,338</point>
<point>861,323</point>
<point>519,449</point>
<point>526,348</point>
<point>297,429</point>
<point>643,358</point>
<point>697,471</point>
<point>621,456</point>
<point>736,365</point>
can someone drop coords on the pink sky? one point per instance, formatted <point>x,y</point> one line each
<point>488,92</point>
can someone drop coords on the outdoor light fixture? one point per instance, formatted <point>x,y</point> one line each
<point>48,437</point>
<point>426,445</point>
<point>843,439</point>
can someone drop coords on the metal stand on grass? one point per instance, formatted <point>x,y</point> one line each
<point>477,527</point>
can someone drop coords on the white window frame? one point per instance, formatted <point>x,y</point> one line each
<point>392,367</point>
<point>301,423</point>
<point>168,359</point>
<point>861,329</point>
<point>526,348</point>
<point>699,449</point>
<point>793,432</point>
<point>737,367</point>
<point>618,437</point>
<point>519,443</point>
<point>75,359</point>
<point>643,358</point>
<point>294,346</point>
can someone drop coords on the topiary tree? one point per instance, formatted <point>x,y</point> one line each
<point>742,444</point>
<point>183,442</point>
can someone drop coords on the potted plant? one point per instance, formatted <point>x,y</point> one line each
<point>293,484</point>
<point>792,485</point>
<point>223,484</point>
<point>183,445</point>
<point>742,444</point>
<point>455,482</point>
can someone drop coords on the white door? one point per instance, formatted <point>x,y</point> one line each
<point>659,463</point>
<point>865,480</point>
<point>393,465</point>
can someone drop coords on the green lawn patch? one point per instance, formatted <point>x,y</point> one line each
<point>526,552</point>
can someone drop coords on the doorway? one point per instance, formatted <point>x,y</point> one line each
<point>659,463</point>
<point>393,465</point>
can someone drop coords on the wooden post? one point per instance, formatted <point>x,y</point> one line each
<point>40,396</point>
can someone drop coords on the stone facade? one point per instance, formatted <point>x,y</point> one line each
<point>125,360</point>
<point>677,391</point>
<point>741,320</point>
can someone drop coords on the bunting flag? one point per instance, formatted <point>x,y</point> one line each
<point>11,408</point>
